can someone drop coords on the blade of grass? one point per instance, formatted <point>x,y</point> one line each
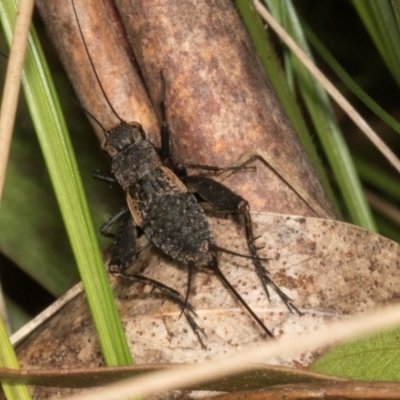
<point>271,64</point>
<point>347,80</point>
<point>384,207</point>
<point>18,316</point>
<point>12,84</point>
<point>36,242</point>
<point>4,312</point>
<point>321,112</point>
<point>380,22</point>
<point>57,150</point>
<point>388,228</point>
<point>378,178</point>
<point>9,359</point>
<point>396,10</point>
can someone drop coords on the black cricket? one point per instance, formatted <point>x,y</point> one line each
<point>166,209</point>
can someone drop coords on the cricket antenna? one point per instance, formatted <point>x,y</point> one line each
<point>86,111</point>
<point>94,69</point>
<point>76,102</point>
<point>227,284</point>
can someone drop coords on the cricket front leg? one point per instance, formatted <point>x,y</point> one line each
<point>104,177</point>
<point>124,251</point>
<point>105,229</point>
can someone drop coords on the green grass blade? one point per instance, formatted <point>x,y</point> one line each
<point>271,64</point>
<point>8,359</point>
<point>396,10</point>
<point>322,115</point>
<point>378,178</point>
<point>25,235</point>
<point>17,316</point>
<point>388,228</point>
<point>380,21</point>
<point>347,80</point>
<point>57,150</point>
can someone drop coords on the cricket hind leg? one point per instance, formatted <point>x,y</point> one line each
<point>191,271</point>
<point>214,267</point>
<point>222,198</point>
<point>123,256</point>
<point>261,271</point>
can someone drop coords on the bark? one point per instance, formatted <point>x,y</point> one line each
<point>219,102</point>
<point>113,60</point>
<point>330,269</point>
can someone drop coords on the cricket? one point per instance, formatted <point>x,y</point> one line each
<point>163,203</point>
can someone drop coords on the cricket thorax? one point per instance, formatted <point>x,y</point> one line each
<point>134,162</point>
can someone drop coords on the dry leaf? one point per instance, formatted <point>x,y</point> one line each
<point>330,269</point>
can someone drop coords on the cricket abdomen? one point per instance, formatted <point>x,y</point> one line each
<point>172,220</point>
<point>178,226</point>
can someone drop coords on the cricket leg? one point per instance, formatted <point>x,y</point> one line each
<point>191,271</point>
<point>214,267</point>
<point>294,183</point>
<point>181,168</point>
<point>222,198</point>
<point>123,256</point>
<point>105,229</point>
<point>186,308</point>
<point>104,176</point>
<point>124,251</point>
<point>165,150</point>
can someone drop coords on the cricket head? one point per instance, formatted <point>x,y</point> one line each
<point>123,136</point>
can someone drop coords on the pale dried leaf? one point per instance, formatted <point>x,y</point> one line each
<point>330,269</point>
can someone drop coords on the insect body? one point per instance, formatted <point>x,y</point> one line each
<point>166,209</point>
<point>161,205</point>
<point>158,201</point>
